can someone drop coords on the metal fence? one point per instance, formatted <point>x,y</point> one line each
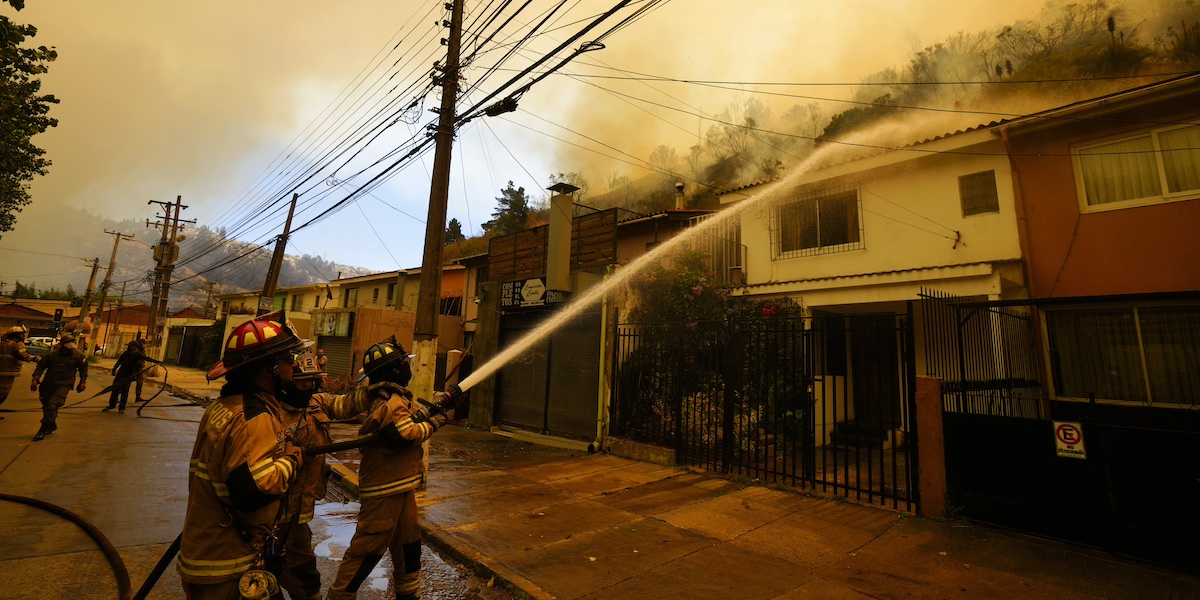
<point>819,403</point>
<point>985,356</point>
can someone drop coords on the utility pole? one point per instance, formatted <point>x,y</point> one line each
<point>165,252</point>
<point>425,344</point>
<point>208,301</point>
<point>117,236</point>
<point>87,299</point>
<point>268,291</point>
<point>117,326</point>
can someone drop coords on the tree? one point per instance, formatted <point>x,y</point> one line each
<point>512,212</point>
<point>25,291</point>
<point>454,231</point>
<point>23,110</point>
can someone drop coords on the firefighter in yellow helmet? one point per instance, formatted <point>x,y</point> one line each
<point>314,410</point>
<point>243,462</point>
<point>389,476</point>
<point>12,353</point>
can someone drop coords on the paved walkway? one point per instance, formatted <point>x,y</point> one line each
<point>556,524</point>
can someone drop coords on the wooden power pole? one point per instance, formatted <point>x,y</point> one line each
<point>165,252</point>
<point>267,301</point>
<point>425,343</point>
<point>112,260</point>
<point>87,299</point>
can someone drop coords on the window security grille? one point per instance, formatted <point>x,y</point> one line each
<point>978,195</point>
<point>822,223</point>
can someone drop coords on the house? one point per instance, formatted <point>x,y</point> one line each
<point>556,391</point>
<point>856,243</point>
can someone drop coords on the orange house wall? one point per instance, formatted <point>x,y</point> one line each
<point>1126,251</point>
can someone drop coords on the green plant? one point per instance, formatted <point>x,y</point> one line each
<point>340,385</point>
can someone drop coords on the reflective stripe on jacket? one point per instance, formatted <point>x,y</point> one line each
<point>237,475</point>
<point>389,469</point>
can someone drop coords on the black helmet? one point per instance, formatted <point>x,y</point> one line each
<point>384,357</point>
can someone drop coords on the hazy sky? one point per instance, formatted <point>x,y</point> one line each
<point>197,99</point>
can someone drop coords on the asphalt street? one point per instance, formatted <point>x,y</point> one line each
<point>128,476</point>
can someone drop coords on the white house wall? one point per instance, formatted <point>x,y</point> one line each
<point>909,212</point>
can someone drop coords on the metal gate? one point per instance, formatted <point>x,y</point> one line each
<point>821,402</point>
<point>1134,493</point>
<point>553,387</point>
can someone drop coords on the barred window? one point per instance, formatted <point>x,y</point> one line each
<point>819,225</point>
<point>978,195</point>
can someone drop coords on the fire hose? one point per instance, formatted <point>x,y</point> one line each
<point>110,552</point>
<point>124,589</point>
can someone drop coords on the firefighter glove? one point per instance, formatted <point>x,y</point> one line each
<point>453,398</point>
<point>82,386</point>
<point>33,385</point>
<point>293,454</point>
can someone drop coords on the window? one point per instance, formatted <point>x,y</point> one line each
<point>351,299</point>
<point>297,302</point>
<point>1163,164</point>
<point>1138,354</point>
<point>375,295</point>
<point>820,225</point>
<point>977,193</point>
<point>391,295</point>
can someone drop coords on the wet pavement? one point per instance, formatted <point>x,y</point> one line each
<point>546,522</point>
<point>128,477</point>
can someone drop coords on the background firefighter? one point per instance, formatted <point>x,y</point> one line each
<point>12,353</point>
<point>242,463</point>
<point>60,367</point>
<point>388,477</point>
<point>299,576</point>
<point>128,366</point>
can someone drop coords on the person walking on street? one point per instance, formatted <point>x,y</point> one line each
<point>60,367</point>
<point>129,365</point>
<point>243,462</point>
<point>388,477</point>
<point>12,353</point>
<point>299,576</point>
<point>141,377</point>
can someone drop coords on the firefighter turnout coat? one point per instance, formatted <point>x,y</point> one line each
<point>242,464</point>
<point>314,431</point>
<point>395,467</point>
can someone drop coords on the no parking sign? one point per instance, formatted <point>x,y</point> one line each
<point>1068,439</point>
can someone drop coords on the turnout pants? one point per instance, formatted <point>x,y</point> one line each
<point>6,384</point>
<point>119,393</point>
<point>52,397</point>
<point>384,524</point>
<point>300,576</point>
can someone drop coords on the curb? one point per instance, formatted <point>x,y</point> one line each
<point>482,565</point>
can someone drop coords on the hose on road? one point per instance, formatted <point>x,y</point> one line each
<point>124,589</point>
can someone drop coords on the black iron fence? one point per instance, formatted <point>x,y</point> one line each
<point>986,357</point>
<point>819,403</point>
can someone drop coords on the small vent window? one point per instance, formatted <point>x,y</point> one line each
<point>978,193</point>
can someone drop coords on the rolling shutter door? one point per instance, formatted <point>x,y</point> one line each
<point>337,350</point>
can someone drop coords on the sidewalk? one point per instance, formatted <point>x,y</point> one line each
<point>551,523</point>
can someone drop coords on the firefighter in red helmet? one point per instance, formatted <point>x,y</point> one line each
<point>242,463</point>
<point>314,410</point>
<point>389,476</point>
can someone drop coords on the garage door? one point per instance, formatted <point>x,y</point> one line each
<point>337,350</point>
<point>553,387</point>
